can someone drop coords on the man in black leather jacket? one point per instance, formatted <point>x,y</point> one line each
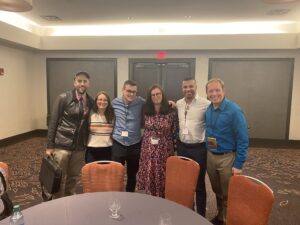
<point>68,132</point>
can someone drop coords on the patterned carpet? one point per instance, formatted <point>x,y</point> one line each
<point>279,168</point>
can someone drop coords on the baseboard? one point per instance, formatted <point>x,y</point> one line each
<point>21,137</point>
<point>269,143</point>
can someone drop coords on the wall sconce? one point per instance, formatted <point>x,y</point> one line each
<point>16,5</point>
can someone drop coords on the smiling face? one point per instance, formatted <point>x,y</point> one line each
<point>129,93</point>
<point>81,84</point>
<point>156,96</point>
<point>102,102</point>
<point>189,88</point>
<point>215,93</point>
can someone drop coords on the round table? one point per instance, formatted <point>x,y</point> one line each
<point>93,209</point>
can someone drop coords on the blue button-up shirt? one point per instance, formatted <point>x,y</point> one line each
<point>228,125</point>
<point>128,118</point>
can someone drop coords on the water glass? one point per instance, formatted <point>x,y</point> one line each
<point>165,219</point>
<point>114,206</point>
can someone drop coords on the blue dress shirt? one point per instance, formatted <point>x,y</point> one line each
<point>228,125</point>
<point>128,118</point>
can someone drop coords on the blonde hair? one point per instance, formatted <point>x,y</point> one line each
<point>221,82</point>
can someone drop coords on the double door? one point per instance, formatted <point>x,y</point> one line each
<point>263,89</point>
<point>168,73</point>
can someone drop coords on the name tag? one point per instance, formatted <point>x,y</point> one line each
<point>154,141</point>
<point>185,130</point>
<point>124,133</point>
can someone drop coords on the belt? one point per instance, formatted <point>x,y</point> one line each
<point>125,146</point>
<point>192,145</point>
<point>220,153</point>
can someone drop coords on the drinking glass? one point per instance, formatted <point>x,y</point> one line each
<point>114,206</point>
<point>165,219</point>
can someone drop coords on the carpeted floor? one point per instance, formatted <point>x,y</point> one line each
<point>279,168</point>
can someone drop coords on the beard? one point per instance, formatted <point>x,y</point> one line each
<point>81,90</point>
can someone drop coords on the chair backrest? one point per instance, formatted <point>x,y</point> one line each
<point>6,203</point>
<point>249,201</point>
<point>102,176</point>
<point>4,169</point>
<point>4,177</point>
<point>181,180</point>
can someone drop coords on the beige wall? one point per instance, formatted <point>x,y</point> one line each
<point>24,95</point>
<point>17,91</point>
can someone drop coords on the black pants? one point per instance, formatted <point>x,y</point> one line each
<point>97,154</point>
<point>198,153</point>
<point>130,155</point>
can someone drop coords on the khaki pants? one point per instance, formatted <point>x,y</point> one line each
<point>219,170</point>
<point>71,163</point>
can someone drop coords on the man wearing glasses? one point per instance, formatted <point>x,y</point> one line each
<point>127,131</point>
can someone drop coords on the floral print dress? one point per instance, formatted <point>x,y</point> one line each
<point>152,166</point>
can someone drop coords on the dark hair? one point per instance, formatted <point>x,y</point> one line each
<point>188,79</point>
<point>109,112</point>
<point>129,82</point>
<point>82,73</point>
<point>149,106</point>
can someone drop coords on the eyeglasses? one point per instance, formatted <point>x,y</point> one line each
<point>155,94</point>
<point>131,92</point>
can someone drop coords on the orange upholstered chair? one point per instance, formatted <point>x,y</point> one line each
<point>4,167</point>
<point>249,201</point>
<point>102,176</point>
<point>181,180</point>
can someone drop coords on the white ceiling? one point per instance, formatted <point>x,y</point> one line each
<point>98,12</point>
<point>155,24</point>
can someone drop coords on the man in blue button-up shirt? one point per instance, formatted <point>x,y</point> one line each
<point>127,131</point>
<point>227,143</point>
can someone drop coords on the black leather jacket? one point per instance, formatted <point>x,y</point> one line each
<point>66,129</point>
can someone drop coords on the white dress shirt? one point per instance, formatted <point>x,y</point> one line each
<point>192,120</point>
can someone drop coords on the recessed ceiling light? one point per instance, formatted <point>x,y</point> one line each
<point>188,17</point>
<point>51,18</point>
<point>275,12</point>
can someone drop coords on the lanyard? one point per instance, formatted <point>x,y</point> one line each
<point>186,109</point>
<point>126,111</point>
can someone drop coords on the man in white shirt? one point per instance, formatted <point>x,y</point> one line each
<point>191,144</point>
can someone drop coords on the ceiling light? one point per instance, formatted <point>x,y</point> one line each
<point>16,5</point>
<point>51,18</point>
<point>279,1</point>
<point>275,12</point>
<point>143,29</point>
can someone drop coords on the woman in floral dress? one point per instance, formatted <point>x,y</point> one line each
<point>160,123</point>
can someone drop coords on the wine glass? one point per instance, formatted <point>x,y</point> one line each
<point>114,206</point>
<point>165,219</point>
